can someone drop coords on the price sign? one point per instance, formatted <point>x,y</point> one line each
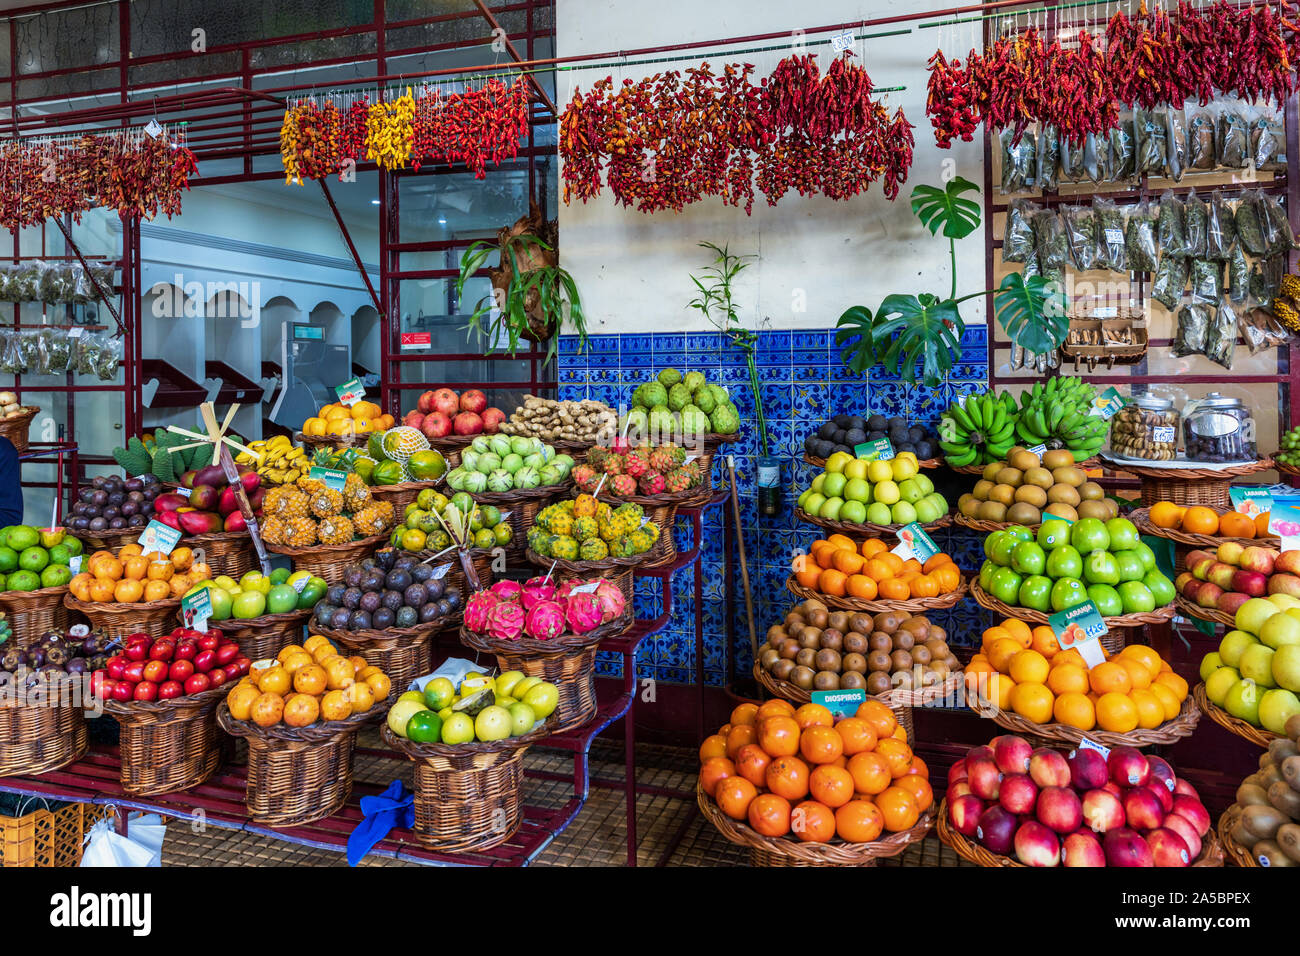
<point>153,129</point>
<point>1114,236</point>
<point>1107,404</point>
<point>440,572</point>
<point>196,609</point>
<point>1252,502</point>
<point>913,542</point>
<point>184,492</point>
<point>1086,744</point>
<point>1080,627</point>
<point>350,392</point>
<point>842,41</point>
<point>332,477</point>
<point>158,537</point>
<point>299,584</point>
<point>74,564</point>
<point>878,449</point>
<point>1163,433</point>
<point>1039,450</point>
<point>841,703</point>
<point>1284,521</point>
<point>586,588</point>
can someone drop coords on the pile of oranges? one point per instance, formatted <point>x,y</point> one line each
<point>132,575</point>
<point>1198,519</point>
<point>839,567</point>
<point>307,683</point>
<point>358,419</point>
<point>801,772</point>
<point>1025,671</point>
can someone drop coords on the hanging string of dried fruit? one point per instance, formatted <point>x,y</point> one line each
<point>475,126</point>
<point>311,141</point>
<point>389,134</point>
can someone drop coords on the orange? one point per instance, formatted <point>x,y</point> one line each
<point>1168,699</point>
<point>925,586</point>
<point>715,745</point>
<point>857,734</point>
<point>734,795</point>
<point>992,635</point>
<point>862,587</point>
<point>744,714</point>
<point>897,754</point>
<point>1068,679</point>
<point>1019,630</point>
<point>779,736</point>
<point>822,552</point>
<point>1044,641</point>
<point>1109,677</point>
<point>997,690</point>
<point>1072,656</point>
<point>127,591</point>
<point>936,561</point>
<point>1150,711</point>
<point>1174,683</point>
<point>1138,675</point>
<point>878,569</point>
<point>385,421</point>
<point>894,589</point>
<point>301,710</point>
<point>895,563</point>
<point>1199,519</point>
<point>127,550</point>
<point>157,591</point>
<point>870,772</point>
<point>813,715</point>
<point>751,763</point>
<point>1261,524</point>
<point>787,777</point>
<point>288,651</point>
<point>1116,712</point>
<point>240,700</point>
<point>267,710</point>
<point>773,708</point>
<point>358,663</point>
<point>1166,514</point>
<point>309,678</point>
<point>1075,710</point>
<point>1002,651</point>
<point>843,542</point>
<point>813,822</point>
<point>314,426</point>
<point>850,562</point>
<point>821,745</point>
<point>1234,524</point>
<point>832,582</point>
<point>769,814</point>
<point>872,547</point>
<point>1147,655</point>
<point>737,737</point>
<point>335,706</point>
<point>859,821</point>
<point>919,788</point>
<point>947,576</point>
<point>899,809</point>
<point>714,771</point>
<point>381,685</point>
<point>200,571</point>
<point>339,672</point>
<point>807,573</point>
<point>1029,666</point>
<point>274,680</point>
<point>1032,701</point>
<point>832,786</point>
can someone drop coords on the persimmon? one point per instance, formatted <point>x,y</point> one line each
<point>737,737</point>
<point>1261,524</point>
<point>774,708</point>
<point>858,735</point>
<point>879,716</point>
<point>746,713</point>
<point>751,763</point>
<point>734,795</point>
<point>769,814</point>
<point>831,582</point>
<point>813,822</point>
<point>830,785</point>
<point>788,777</point>
<point>779,736</point>
<point>919,788</point>
<point>859,821</point>
<point>894,589</point>
<point>820,745</point>
<point>715,745</point>
<point>813,715</point>
<point>899,809</point>
<point>870,773</point>
<point>897,754</point>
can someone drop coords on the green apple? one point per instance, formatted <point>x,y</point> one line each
<point>1005,585</point>
<point>1123,534</point>
<point>1064,562</point>
<point>1257,664</point>
<point>543,698</point>
<point>1067,592</point>
<point>280,576</point>
<point>522,718</point>
<point>924,482</point>
<point>987,570</point>
<point>1053,533</point>
<point>1145,555</point>
<point>1035,592</point>
<point>854,512</point>
<point>222,604</point>
<point>927,511</point>
<point>1019,532</point>
<point>1161,588</point>
<point>833,484</point>
<point>813,503</point>
<point>878,513</point>
<point>1107,600</point>
<point>1280,629</point>
<point>1001,550</point>
<point>1088,535</point>
<point>281,599</point>
<point>1219,683</point>
<point>1100,567</point>
<point>1130,566</point>
<point>1276,707</point>
<point>857,489</point>
<point>830,509</point>
<point>492,723</point>
<point>1243,701</point>
<point>1210,663</point>
<point>879,472</point>
<point>902,513</point>
<point>1028,558</point>
<point>837,461</point>
<point>855,468</point>
<point>1136,597</point>
<point>1232,646</point>
<point>1286,667</point>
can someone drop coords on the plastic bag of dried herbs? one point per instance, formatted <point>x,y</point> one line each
<point>1196,217</point>
<point>1259,290</point>
<point>1049,149</point>
<point>1032,267</point>
<point>1193,330</point>
<point>1266,143</point>
<point>1220,228</point>
<point>108,357</point>
<point>1233,141</point>
<point>1273,269</point>
<point>1207,281</point>
<point>1092,165</point>
<point>29,344</point>
<point>27,282</point>
<point>1200,143</point>
<point>85,349</point>
<point>1152,143</point>
<point>1171,229</point>
<point>1050,243</point>
<point>6,283</point>
<point>1100,146</point>
<point>1250,219</point>
<point>1253,330</point>
<point>1175,143</point>
<point>1081,234</point>
<point>1110,235</point>
<point>1221,339</point>
<point>1122,150</point>
<point>1238,275</point>
<point>1072,165</point>
<point>11,359</point>
<point>1018,241</point>
<point>1019,164</point>
<point>1278,235</point>
<point>1171,279</point>
<point>58,350</point>
<point>1140,237</point>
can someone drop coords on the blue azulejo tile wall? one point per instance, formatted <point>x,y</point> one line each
<point>803,383</point>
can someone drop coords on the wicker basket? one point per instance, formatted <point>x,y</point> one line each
<point>1213,615</point>
<point>47,838</point>
<point>523,506</point>
<point>226,552</point>
<point>1141,518</point>
<point>401,494</point>
<point>168,745</point>
<point>402,653</point>
<point>986,600</point>
<point>568,662</point>
<point>328,560</point>
<point>332,442</point>
<point>297,774</point>
<point>32,613</point>
<point>865,529</point>
<point>1235,725</point>
<point>262,637</point>
<point>912,606</point>
<point>34,739</point>
<point>16,428</point>
<point>1168,733</point>
<point>607,568</point>
<point>1187,486</point>
<point>664,550</point>
<point>467,797</point>
<point>1087,342</point>
<point>108,540</point>
<point>1237,855</point>
<point>988,527</point>
<point>1211,852</point>
<point>787,851</point>
<point>922,463</point>
<point>117,619</point>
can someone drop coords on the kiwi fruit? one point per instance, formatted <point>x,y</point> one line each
<point>1291,771</point>
<point>806,657</point>
<point>1039,478</point>
<point>782,668</point>
<point>1265,776</point>
<point>1003,495</point>
<point>1252,794</point>
<point>854,662</point>
<point>1010,476</point>
<point>832,639</point>
<point>1064,494</point>
<point>938,649</point>
<point>982,489</point>
<point>1288,838</point>
<point>1057,458</point>
<point>802,677</point>
<point>888,621</point>
<point>1282,748</point>
<point>826,680</point>
<point>969,506</point>
<point>853,680</point>
<point>878,682</point>
<point>767,657</point>
<point>991,470</point>
<point>901,660</point>
<point>1266,760</point>
<point>794,623</point>
<point>855,643</point>
<point>1024,460</point>
<point>1068,475</point>
<point>992,511</point>
<point>922,655</point>
<point>1269,853</point>
<point>1093,509</point>
<point>1091,491</point>
<point>1283,798</point>
<point>1292,727</point>
<point>1262,822</point>
<point>878,661</point>
<point>1032,494</point>
<point>789,649</point>
<point>828,660</point>
<point>936,633</point>
<point>1063,510</point>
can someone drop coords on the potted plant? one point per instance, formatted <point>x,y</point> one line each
<point>531,295</point>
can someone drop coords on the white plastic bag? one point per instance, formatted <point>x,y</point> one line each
<point>142,845</point>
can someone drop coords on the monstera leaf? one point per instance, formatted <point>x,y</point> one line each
<point>906,331</point>
<point>947,209</point>
<point>1031,312</point>
<point>857,347</point>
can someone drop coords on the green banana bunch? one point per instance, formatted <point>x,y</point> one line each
<point>1056,414</point>
<point>980,430</point>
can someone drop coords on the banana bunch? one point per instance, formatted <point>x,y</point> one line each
<point>1056,414</point>
<point>277,460</point>
<point>980,431</point>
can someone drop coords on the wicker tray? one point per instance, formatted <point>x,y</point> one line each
<point>1213,615</point>
<point>1235,725</point>
<point>146,616</point>
<point>1205,484</point>
<point>36,739</point>
<point>922,463</point>
<point>988,527</point>
<point>297,774</point>
<point>32,613</point>
<point>266,636</point>
<point>16,428</point>
<point>988,601</point>
<point>786,851</point>
<point>1092,462</point>
<point>912,605</point>
<point>588,569</point>
<point>1141,518</point>
<point>332,441</point>
<point>1211,852</point>
<point>168,745</point>
<point>866,528</point>
<point>1285,469</point>
<point>1237,855</point>
<point>226,552</point>
<point>1170,732</point>
<point>324,560</point>
<point>402,493</point>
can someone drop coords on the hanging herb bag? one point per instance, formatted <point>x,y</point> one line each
<point>1238,275</point>
<point>1081,233</point>
<point>1171,229</point>
<point>1196,217</point>
<point>1018,243</point>
<point>1049,240</point>
<point>1207,281</point>
<point>1233,141</point>
<point>1122,150</point>
<point>1221,339</point>
<point>1019,164</point>
<point>1193,330</point>
<point>1049,150</point>
<point>1220,228</point>
<point>1171,279</point>
<point>1176,143</point>
<point>1200,143</point>
<point>1110,235</point>
<point>1140,238</point>
<point>1249,219</point>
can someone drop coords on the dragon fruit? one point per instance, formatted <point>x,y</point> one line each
<point>566,588</point>
<point>545,621</point>
<point>506,621</point>
<point>507,590</point>
<point>611,600</point>
<point>537,590</point>
<point>623,485</point>
<point>584,613</point>
<point>637,462</point>
<point>651,483</point>
<point>478,610</point>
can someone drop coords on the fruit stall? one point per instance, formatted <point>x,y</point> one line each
<point>405,562</point>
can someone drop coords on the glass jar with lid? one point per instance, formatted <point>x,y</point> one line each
<point>1219,428</point>
<point>1145,428</point>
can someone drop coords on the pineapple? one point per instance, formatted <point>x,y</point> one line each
<point>271,502</point>
<point>370,520</point>
<point>356,494</point>
<point>274,530</point>
<point>326,502</point>
<point>336,529</point>
<point>309,485</point>
<point>301,532</point>
<point>293,504</point>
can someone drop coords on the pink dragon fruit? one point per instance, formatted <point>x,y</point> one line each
<point>584,612</point>
<point>507,590</point>
<point>611,600</point>
<point>623,485</point>
<point>545,621</point>
<point>566,588</point>
<point>506,622</point>
<point>478,609</point>
<point>651,483</point>
<point>537,590</point>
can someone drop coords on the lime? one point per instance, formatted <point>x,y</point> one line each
<point>8,559</point>
<point>59,554</point>
<point>279,576</point>
<point>23,581</point>
<point>401,713</point>
<point>34,558</point>
<point>424,727</point>
<point>74,546</point>
<point>281,599</point>
<point>491,515</point>
<point>21,537</point>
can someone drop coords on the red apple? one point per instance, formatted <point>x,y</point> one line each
<point>115,665</point>
<point>1194,812</point>
<point>424,404</point>
<point>1179,824</point>
<point>467,423</point>
<point>983,750</point>
<point>1036,845</point>
<point>492,419</point>
<point>1017,793</point>
<point>957,771</point>
<point>436,425</point>
<point>996,830</point>
<point>964,813</point>
<point>1221,575</point>
<point>186,648</point>
<point>1208,594</point>
<point>1250,582</point>
<point>1081,848</point>
<point>1263,560</point>
<point>958,789</point>
<point>473,400</point>
<point>1181,582</point>
<point>1200,567</point>
<point>1230,601</point>
<point>1102,810</point>
<point>162,649</point>
<point>1048,768</point>
<point>1011,754</point>
<point>1141,809</point>
<point>123,690</point>
<point>1168,848</point>
<point>1288,562</point>
<point>137,651</point>
<point>984,778</point>
<point>1128,767</point>
<point>445,401</point>
<point>1284,583</point>
<point>204,661</point>
<point>170,689</point>
<point>1125,848</point>
<point>1160,770</point>
<point>1087,769</point>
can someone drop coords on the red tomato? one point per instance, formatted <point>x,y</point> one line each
<point>204,661</point>
<point>162,650</point>
<point>123,690</point>
<point>186,649</point>
<point>227,653</point>
<point>155,672</point>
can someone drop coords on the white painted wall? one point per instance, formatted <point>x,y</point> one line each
<point>633,269</point>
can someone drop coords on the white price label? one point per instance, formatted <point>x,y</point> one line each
<point>842,41</point>
<point>1115,236</point>
<point>586,588</point>
<point>1086,744</point>
<point>1163,433</point>
<point>185,492</point>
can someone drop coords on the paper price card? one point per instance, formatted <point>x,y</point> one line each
<point>1080,627</point>
<point>1107,403</point>
<point>196,609</point>
<point>586,588</point>
<point>1039,450</point>
<point>1284,521</point>
<point>156,536</point>
<point>841,703</point>
<point>332,477</point>
<point>913,542</point>
<point>440,572</point>
<point>351,391</point>
<point>878,449</point>
<point>1086,744</point>
<point>1252,502</point>
<point>842,41</point>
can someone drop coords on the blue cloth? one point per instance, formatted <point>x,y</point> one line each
<point>392,808</point>
<point>11,485</point>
